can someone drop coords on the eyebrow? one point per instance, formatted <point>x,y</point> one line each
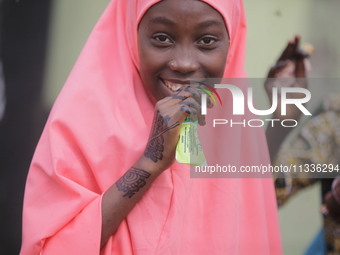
<point>162,20</point>
<point>209,23</point>
<point>167,21</point>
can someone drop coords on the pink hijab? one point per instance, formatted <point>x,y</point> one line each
<point>99,127</point>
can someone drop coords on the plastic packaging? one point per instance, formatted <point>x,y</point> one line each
<point>189,149</point>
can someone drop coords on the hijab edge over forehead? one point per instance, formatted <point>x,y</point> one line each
<point>211,4</point>
<point>233,15</point>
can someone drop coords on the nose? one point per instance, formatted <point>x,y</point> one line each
<point>184,61</point>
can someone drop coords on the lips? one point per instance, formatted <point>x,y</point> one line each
<point>175,85</point>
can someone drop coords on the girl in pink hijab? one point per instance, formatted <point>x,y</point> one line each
<point>103,179</point>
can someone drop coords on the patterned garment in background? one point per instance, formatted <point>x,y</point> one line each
<point>318,142</point>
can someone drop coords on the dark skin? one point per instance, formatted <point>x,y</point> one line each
<point>172,51</point>
<point>291,60</point>
<point>276,135</point>
<point>331,207</point>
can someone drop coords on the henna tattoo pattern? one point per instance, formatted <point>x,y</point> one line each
<point>132,181</point>
<point>154,149</point>
<point>176,96</point>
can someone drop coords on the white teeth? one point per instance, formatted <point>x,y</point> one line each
<point>173,86</point>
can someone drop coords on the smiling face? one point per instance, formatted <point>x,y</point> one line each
<point>178,41</point>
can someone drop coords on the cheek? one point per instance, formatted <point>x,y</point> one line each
<point>148,70</point>
<point>144,59</point>
<point>215,64</point>
<point>144,62</point>
<point>151,62</point>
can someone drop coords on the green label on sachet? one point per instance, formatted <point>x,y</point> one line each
<point>189,150</point>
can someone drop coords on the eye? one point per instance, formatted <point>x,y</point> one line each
<point>162,39</point>
<point>207,41</point>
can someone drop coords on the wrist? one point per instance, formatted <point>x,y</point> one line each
<point>149,165</point>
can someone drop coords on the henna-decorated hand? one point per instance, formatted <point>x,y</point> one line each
<point>170,112</point>
<point>289,71</point>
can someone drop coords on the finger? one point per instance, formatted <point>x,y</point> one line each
<point>287,52</point>
<point>210,96</point>
<point>284,52</point>
<point>298,51</point>
<point>185,92</point>
<point>192,107</point>
<point>185,109</point>
<point>294,48</point>
<point>180,95</point>
<point>300,70</point>
<point>203,90</point>
<point>291,50</point>
<point>189,112</point>
<point>211,91</point>
<point>300,73</point>
<point>170,101</point>
<point>278,68</point>
<point>195,110</point>
<point>297,41</point>
<point>196,93</point>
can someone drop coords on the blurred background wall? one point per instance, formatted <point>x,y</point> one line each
<point>24,27</point>
<point>40,42</point>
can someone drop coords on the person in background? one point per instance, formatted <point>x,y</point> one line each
<point>317,142</point>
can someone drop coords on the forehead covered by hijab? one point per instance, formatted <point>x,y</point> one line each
<point>231,10</point>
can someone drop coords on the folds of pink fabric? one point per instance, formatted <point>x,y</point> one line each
<point>99,127</point>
